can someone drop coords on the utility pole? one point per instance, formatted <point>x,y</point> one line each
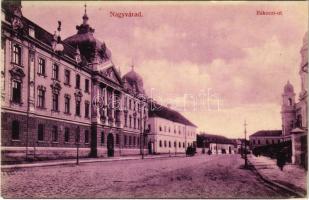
<point>246,159</point>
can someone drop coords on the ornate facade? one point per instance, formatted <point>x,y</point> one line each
<point>66,93</point>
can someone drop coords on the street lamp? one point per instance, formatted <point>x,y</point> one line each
<point>246,159</point>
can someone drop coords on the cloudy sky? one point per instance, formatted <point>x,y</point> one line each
<point>217,63</point>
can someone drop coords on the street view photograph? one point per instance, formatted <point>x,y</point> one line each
<point>158,100</point>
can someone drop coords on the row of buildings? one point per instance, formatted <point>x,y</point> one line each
<point>58,94</point>
<point>294,115</point>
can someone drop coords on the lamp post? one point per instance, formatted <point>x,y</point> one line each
<point>246,159</point>
<point>77,153</point>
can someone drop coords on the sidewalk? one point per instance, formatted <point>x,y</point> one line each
<point>292,177</point>
<point>86,160</point>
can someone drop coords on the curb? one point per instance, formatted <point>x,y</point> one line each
<point>283,187</point>
<point>73,162</point>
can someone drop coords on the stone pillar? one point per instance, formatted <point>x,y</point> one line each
<point>113,107</point>
<point>105,104</point>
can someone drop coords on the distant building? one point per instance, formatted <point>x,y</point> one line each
<point>217,144</point>
<point>169,131</point>
<point>265,137</point>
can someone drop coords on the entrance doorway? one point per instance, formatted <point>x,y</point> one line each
<point>150,148</point>
<point>110,145</point>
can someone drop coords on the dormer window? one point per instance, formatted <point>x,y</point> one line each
<point>31,32</point>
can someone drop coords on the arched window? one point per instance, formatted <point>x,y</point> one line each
<point>40,132</point>
<point>77,83</point>
<point>179,145</point>
<point>175,144</point>
<point>169,144</point>
<point>66,134</point>
<point>290,102</point>
<point>77,136</point>
<point>160,143</point>
<point>299,121</point>
<point>102,137</point>
<point>15,130</point>
<point>164,143</point>
<point>86,136</point>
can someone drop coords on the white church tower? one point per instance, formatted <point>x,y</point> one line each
<point>288,109</point>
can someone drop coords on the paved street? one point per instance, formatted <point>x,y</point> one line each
<point>216,176</point>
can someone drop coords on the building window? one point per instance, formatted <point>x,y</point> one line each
<point>16,93</point>
<point>86,136</point>
<point>179,145</point>
<point>266,141</point>
<point>55,72</point>
<point>31,32</point>
<point>67,100</point>
<point>15,130</point>
<point>77,135</point>
<point>138,123</point>
<point>160,143</point>
<point>117,139</point>
<point>183,145</point>
<point>66,134</point>
<point>134,122</point>
<point>169,144</point>
<point>253,141</point>
<point>77,83</point>
<point>102,137</point>
<point>86,85</point>
<point>16,54</point>
<point>67,77</point>
<point>129,140</point>
<point>41,97</point>
<point>87,105</point>
<point>164,143</point>
<point>125,140</point>
<point>134,140</point>
<point>259,142</point>
<point>42,66</point>
<point>130,121</point>
<point>130,104</point>
<point>55,134</point>
<point>40,132</point>
<point>77,108</point>
<point>160,128</point>
<point>55,102</point>
<point>149,127</point>
<point>125,119</point>
<point>273,141</point>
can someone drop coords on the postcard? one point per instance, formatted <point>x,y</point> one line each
<point>153,99</point>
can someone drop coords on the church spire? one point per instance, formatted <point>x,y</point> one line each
<point>85,17</point>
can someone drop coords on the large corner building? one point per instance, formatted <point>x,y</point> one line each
<point>57,94</point>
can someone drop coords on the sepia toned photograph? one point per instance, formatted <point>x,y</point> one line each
<point>154,99</point>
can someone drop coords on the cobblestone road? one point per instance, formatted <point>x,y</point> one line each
<point>216,176</point>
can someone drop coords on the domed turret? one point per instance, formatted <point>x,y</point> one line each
<point>288,88</point>
<point>133,81</point>
<point>91,48</point>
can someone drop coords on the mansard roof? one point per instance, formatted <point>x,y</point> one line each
<point>157,110</point>
<point>41,35</point>
<point>267,133</point>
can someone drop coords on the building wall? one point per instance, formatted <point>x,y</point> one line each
<point>260,141</point>
<point>217,148</point>
<point>168,131</point>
